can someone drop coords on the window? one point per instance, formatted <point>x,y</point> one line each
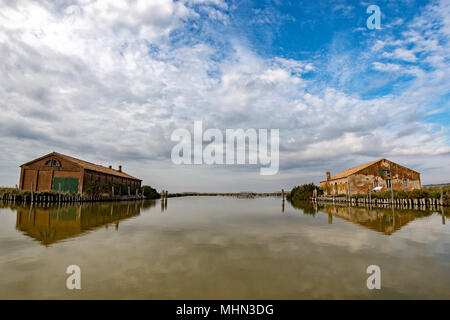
<point>405,183</point>
<point>385,173</point>
<point>375,184</point>
<point>52,163</point>
<point>388,183</point>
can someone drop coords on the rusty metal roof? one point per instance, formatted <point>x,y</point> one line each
<point>88,166</point>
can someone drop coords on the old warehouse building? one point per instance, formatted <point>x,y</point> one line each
<point>56,171</point>
<point>379,175</point>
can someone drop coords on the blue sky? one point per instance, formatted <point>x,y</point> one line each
<point>109,81</point>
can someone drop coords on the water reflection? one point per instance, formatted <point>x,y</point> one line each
<point>384,220</point>
<point>50,224</point>
<point>221,248</point>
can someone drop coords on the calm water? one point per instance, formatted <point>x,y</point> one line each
<point>217,247</point>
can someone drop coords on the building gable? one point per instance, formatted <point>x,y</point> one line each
<point>52,161</point>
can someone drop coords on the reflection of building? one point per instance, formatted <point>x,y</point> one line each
<point>53,224</point>
<point>56,172</point>
<point>382,220</point>
<point>378,175</point>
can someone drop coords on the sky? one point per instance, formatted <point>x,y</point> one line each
<point>109,81</point>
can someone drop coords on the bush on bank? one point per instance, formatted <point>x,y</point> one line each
<point>150,193</point>
<point>303,192</point>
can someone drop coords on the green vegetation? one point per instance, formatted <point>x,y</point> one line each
<point>303,192</point>
<point>150,193</point>
<point>4,190</point>
<point>96,189</point>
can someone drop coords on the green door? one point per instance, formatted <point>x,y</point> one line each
<point>67,184</point>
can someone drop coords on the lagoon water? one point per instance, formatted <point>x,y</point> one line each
<point>222,248</point>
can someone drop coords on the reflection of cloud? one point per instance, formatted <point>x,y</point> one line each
<point>241,251</point>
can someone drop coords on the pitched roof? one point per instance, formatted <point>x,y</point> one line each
<point>88,165</point>
<point>349,172</point>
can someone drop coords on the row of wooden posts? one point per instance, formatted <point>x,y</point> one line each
<point>369,200</point>
<point>61,197</point>
<point>398,202</point>
<point>36,198</point>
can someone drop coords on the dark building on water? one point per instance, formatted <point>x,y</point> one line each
<point>59,172</point>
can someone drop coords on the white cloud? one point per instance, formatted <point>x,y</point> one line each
<point>401,54</point>
<point>102,80</point>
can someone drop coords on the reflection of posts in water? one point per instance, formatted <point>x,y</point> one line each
<point>330,218</point>
<point>34,216</point>
<point>282,205</point>
<point>78,214</point>
<point>57,211</point>
<point>162,200</point>
<point>393,217</point>
<point>443,215</point>
<point>166,194</point>
<point>29,212</point>
<point>348,191</point>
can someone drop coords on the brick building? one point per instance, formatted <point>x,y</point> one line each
<point>55,170</point>
<point>378,175</point>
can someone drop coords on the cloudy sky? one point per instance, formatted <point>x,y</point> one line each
<point>108,81</point>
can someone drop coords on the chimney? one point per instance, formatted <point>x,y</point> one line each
<point>110,167</point>
<point>120,168</point>
<point>328,176</point>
